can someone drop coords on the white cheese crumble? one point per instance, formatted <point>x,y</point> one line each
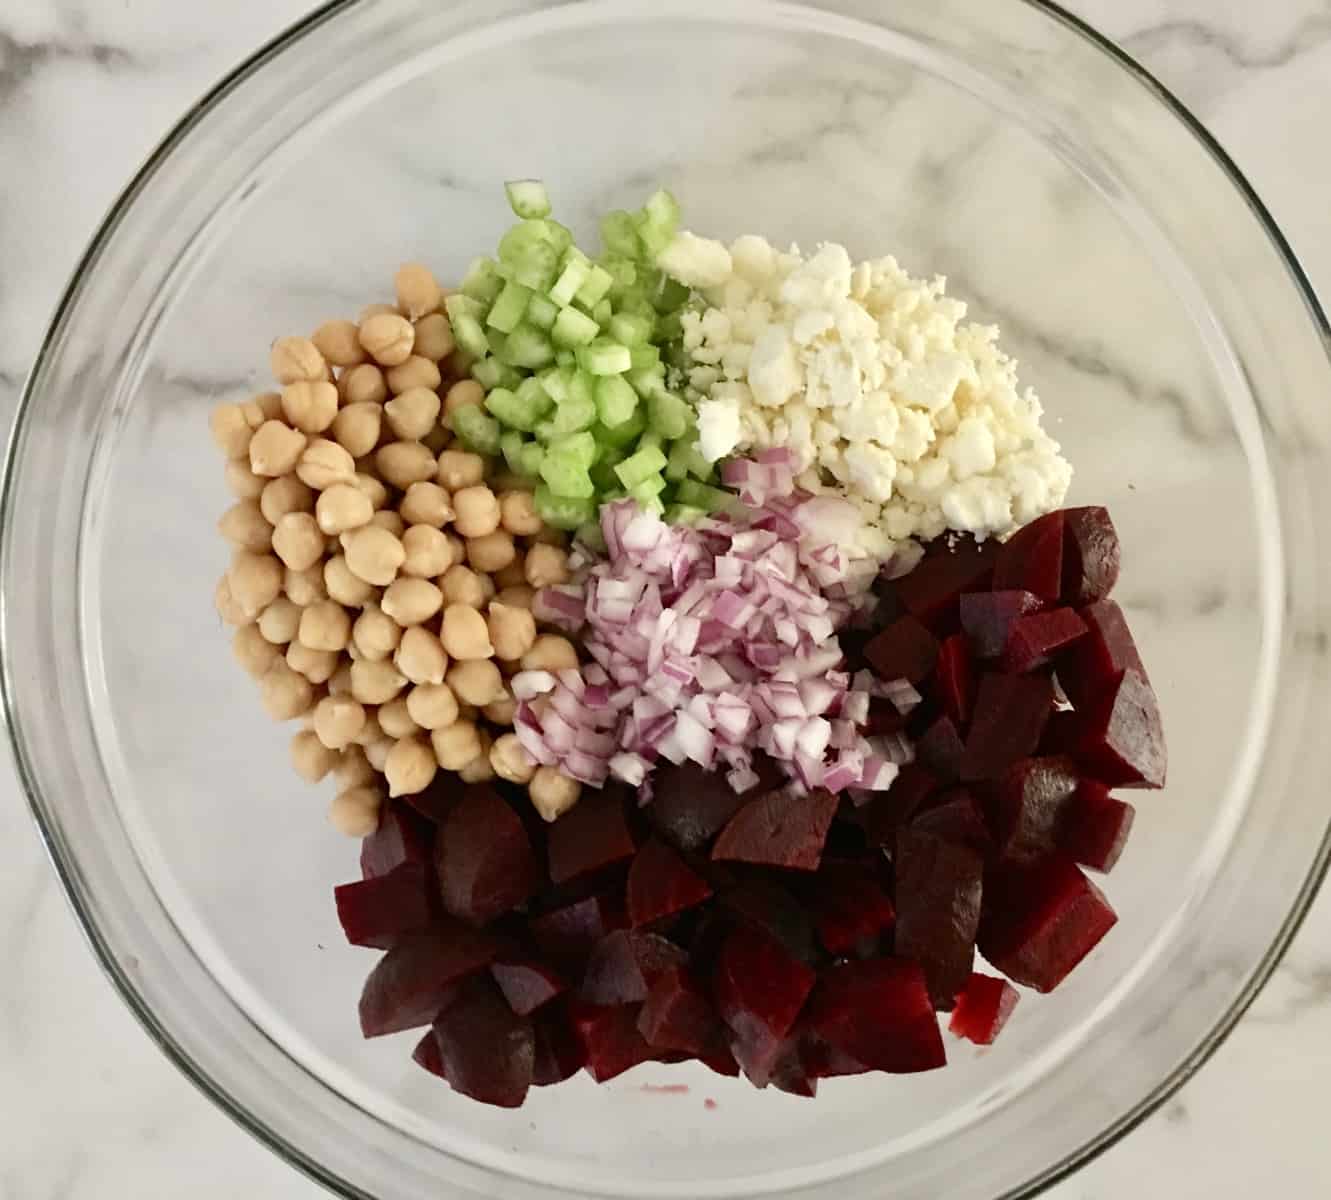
<point>876,383</point>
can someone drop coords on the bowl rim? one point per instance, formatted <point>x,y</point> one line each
<point>129,994</point>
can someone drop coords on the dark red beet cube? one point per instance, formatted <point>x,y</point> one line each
<point>487,1051</point>
<point>403,836</point>
<point>1010,715</point>
<point>1119,739</point>
<point>427,1056</point>
<point>1031,802</point>
<point>656,955</point>
<point>381,910</point>
<point>954,680</point>
<point>1093,664</point>
<point>941,750</point>
<point>931,591</point>
<point>1090,555</point>
<point>827,1062</point>
<point>571,932</point>
<point>759,990</point>
<point>662,884</point>
<point>678,1014</point>
<point>955,816</point>
<point>1033,641</point>
<point>889,810</point>
<point>439,799</point>
<point>764,906</point>
<point>939,887</point>
<point>779,830</point>
<point>904,650</point>
<point>590,837</point>
<point>613,974</point>
<point>1095,827</point>
<point>417,977</point>
<point>691,806</point>
<point>790,1072</point>
<point>756,1052</point>
<point>885,718</point>
<point>527,985</point>
<point>611,1043</point>
<point>1040,921</point>
<point>720,1060</point>
<point>1032,559</point>
<point>983,1008</point>
<point>485,861</point>
<point>559,1052</point>
<point>987,618</point>
<point>849,912</point>
<point>879,1014</point>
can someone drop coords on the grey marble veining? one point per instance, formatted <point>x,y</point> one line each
<point>86,89</point>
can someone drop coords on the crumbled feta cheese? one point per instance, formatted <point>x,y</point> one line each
<point>696,262</point>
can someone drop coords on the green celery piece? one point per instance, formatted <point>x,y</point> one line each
<point>631,329</point>
<point>509,308</point>
<point>644,357</point>
<point>574,415</point>
<point>619,234</point>
<point>459,304</point>
<point>648,489</point>
<point>521,239</point>
<point>683,514</point>
<point>616,402</point>
<point>604,357</point>
<point>672,295</point>
<point>646,381</point>
<point>538,268</point>
<point>573,328</point>
<point>565,480</point>
<point>595,287</point>
<point>625,434</point>
<point>469,335</point>
<point>590,535</point>
<point>653,237</point>
<point>701,495</point>
<point>566,359</point>
<point>603,313</point>
<point>516,410</point>
<point>511,443</point>
<point>478,431</point>
<point>528,198</point>
<point>662,210</point>
<point>573,276</point>
<point>533,454</point>
<point>555,381</point>
<point>481,283</point>
<point>491,373</point>
<point>667,414</point>
<point>575,449</point>
<point>530,348</point>
<point>562,512</point>
<point>624,272</point>
<point>541,312</point>
<point>642,465</point>
<point>561,238</point>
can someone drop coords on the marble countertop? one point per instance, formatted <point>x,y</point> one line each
<point>87,87</point>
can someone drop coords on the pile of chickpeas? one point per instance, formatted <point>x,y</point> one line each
<point>382,578</point>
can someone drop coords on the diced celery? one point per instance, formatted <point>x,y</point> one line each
<point>625,434</point>
<point>595,287</point>
<point>546,432</point>
<point>511,443</point>
<point>650,439</point>
<point>646,381</point>
<point>701,495</point>
<point>616,402</point>
<point>573,328</point>
<point>635,304</point>
<point>670,326</point>
<point>672,295</point>
<point>491,373</point>
<point>555,382</point>
<point>521,239</point>
<point>478,431</point>
<point>662,210</point>
<point>576,449</point>
<point>565,358</point>
<point>541,311</point>
<point>603,474</point>
<point>533,454</point>
<point>566,480</point>
<point>648,489</point>
<point>642,465</point>
<point>667,414</point>
<point>570,280</point>
<point>685,460</point>
<point>683,514</point>
<point>538,267</point>
<point>522,409</point>
<point>528,198</point>
<point>482,282</point>
<point>619,234</point>
<point>631,329</point>
<point>561,511</point>
<point>469,335</point>
<point>624,272</point>
<point>508,309</point>
<point>644,357</point>
<point>604,357</point>
<point>561,238</point>
<point>577,413</point>
<point>581,387</point>
<point>529,347</point>
<point>654,238</point>
<point>590,535</point>
<point>459,305</point>
<point>603,313</point>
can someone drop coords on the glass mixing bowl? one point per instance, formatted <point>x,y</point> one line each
<point>1181,356</point>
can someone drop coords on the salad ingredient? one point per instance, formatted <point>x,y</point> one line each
<point>661,884</point>
<point>590,838</point>
<point>485,860</point>
<point>379,912</point>
<point>295,360</point>
<point>527,985</point>
<point>355,810</point>
<point>1095,826</point>
<point>486,1050</point>
<point>983,1008</point>
<point>690,805</point>
<point>387,337</point>
<point>780,829</point>
<point>275,449</point>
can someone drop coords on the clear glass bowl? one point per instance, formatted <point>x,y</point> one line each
<point>1177,346</point>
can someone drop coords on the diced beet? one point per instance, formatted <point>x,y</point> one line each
<point>661,884</point>
<point>691,806</point>
<point>610,1039</point>
<point>485,861</point>
<point>613,974</point>
<point>403,836</point>
<point>983,1008</point>
<point>762,905</point>
<point>889,810</point>
<point>954,680</point>
<point>904,650</point>
<point>1119,739</point>
<point>1034,640</point>
<point>1040,921</point>
<point>1095,827</point>
<point>987,618</point>
<point>527,985</point>
<point>759,990</point>
<point>1092,665</point>
<point>383,909</point>
<point>571,932</point>
<point>487,1051</point>
<point>417,977</point>
<point>1090,555</point>
<point>1060,733</point>
<point>427,1054</point>
<point>790,1072</point>
<point>1032,559</point>
<point>720,1060</point>
<point>656,955</point>
<point>559,1052</point>
<point>756,1052</point>
<point>884,718</point>
<point>678,1015</point>
<point>939,887</point>
<point>930,592</point>
<point>590,837</point>
<point>439,799</point>
<point>955,816</point>
<point>828,1062</point>
<point>1010,715</point>
<point>941,750</point>
<point>878,1013</point>
<point>1031,802</point>
<point>849,912</point>
<point>779,830</point>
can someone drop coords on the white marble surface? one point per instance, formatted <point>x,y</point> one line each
<point>88,1107</point>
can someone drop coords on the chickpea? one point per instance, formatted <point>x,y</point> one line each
<point>373,554</point>
<point>355,812</point>
<point>253,651</point>
<point>428,552</point>
<point>465,634</point>
<point>520,596</point>
<point>417,291</point>
<point>241,482</point>
<point>412,414</point>
<point>297,359</point>
<point>426,504</point>
<point>325,464</point>
<point>432,705</point>
<point>553,794</point>
<point>231,430</point>
<point>342,508</point>
<point>339,343</point>
<point>370,732</point>
<point>477,511</point>
<point>461,585</point>
<point>517,513</point>
<point>344,585</point>
<point>310,407</point>
<point>488,590</point>
<point>339,682</point>
<point>377,752</point>
<point>405,463</point>
<point>353,768</point>
<point>395,719</point>
<point>357,428</point>
<point>411,601</point>
<point>375,634</point>
<point>492,552</point>
<point>279,621</point>
<point>254,582</point>
<point>244,526</point>
<point>460,469</point>
<point>510,761</point>
<point>285,495</point>
<point>297,541</point>
<point>460,395</point>
<point>338,720</point>
<point>479,769</point>
<point>417,372</point>
<point>269,404</point>
<point>285,693</point>
<point>501,710</point>
<point>410,767</point>
<point>550,653</point>
<point>363,385</point>
<point>325,626</point>
<point>434,337</point>
<point>456,745</point>
<point>378,310</point>
<point>548,535</point>
<point>275,449</point>
<point>421,657</point>
<point>387,519</point>
<point>307,586</point>
<point>476,683</point>
<point>311,758</point>
<point>388,338</point>
<point>546,566</point>
<point>376,682</point>
<point>316,665</point>
<point>374,488</point>
<point>512,631</point>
